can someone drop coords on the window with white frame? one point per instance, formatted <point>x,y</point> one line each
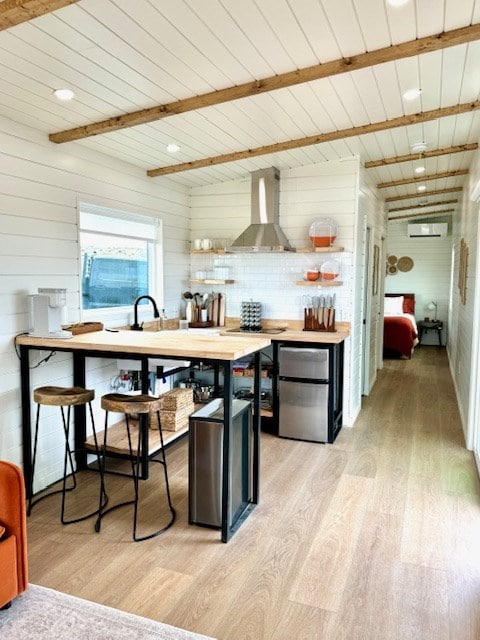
<point>120,258</point>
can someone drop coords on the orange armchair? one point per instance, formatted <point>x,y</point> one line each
<point>13,533</point>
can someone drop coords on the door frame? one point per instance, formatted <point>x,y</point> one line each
<point>473,421</point>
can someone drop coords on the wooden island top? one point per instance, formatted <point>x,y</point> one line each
<point>175,344</point>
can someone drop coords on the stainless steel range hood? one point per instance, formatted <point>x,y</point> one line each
<point>264,232</point>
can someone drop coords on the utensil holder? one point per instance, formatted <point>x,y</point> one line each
<point>319,319</point>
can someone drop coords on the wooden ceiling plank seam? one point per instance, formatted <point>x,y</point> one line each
<point>219,21</point>
<point>454,70</point>
<point>423,178</point>
<point>44,47</point>
<point>36,68</point>
<point>211,38</point>
<point>280,17</point>
<point>375,32</point>
<point>112,44</point>
<point>401,121</point>
<point>471,71</point>
<point>342,18</point>
<point>458,13</point>
<point>315,72</point>
<point>13,12</point>
<point>402,22</point>
<point>430,71</point>
<point>131,38</point>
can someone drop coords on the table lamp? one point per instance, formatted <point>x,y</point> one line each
<point>431,306</point>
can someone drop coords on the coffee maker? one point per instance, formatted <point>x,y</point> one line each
<point>46,313</point>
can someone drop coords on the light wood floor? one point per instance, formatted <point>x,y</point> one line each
<point>374,537</point>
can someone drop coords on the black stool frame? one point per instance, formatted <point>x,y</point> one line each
<point>136,464</point>
<point>68,459</point>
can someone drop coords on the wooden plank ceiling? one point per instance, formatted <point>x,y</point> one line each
<point>244,85</point>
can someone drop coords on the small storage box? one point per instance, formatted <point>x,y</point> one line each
<point>176,407</point>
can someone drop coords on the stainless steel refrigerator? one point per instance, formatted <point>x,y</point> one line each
<point>309,389</point>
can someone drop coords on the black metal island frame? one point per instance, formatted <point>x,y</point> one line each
<point>222,351</point>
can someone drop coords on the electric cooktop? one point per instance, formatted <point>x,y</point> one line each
<point>266,330</point>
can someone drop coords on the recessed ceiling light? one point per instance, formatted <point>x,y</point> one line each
<point>411,94</point>
<point>420,169</point>
<point>172,147</point>
<point>63,94</point>
<point>421,187</point>
<point>397,3</point>
<point>419,147</point>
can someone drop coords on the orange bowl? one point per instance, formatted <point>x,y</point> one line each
<point>312,275</point>
<point>329,276</point>
<point>322,241</point>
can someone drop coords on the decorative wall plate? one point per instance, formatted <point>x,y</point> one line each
<point>405,264</point>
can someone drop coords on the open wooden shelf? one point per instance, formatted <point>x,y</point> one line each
<point>118,440</point>
<point>212,281</point>
<point>319,283</point>
<point>204,251</point>
<point>331,249</point>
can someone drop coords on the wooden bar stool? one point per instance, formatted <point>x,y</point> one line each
<point>141,407</point>
<point>65,397</point>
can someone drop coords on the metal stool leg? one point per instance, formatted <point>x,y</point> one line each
<point>103,495</point>
<point>101,510</point>
<point>163,462</point>
<point>136,463</point>
<point>67,456</point>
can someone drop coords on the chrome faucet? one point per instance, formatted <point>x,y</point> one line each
<point>139,327</point>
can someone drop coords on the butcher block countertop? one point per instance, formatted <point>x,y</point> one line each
<point>181,344</point>
<point>294,332</point>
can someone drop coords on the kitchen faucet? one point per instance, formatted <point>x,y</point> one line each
<point>139,327</point>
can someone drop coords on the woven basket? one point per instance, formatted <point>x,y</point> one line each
<point>176,399</point>
<point>175,420</point>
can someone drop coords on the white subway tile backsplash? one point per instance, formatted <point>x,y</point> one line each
<point>271,279</point>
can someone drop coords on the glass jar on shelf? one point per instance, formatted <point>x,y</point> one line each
<point>323,232</point>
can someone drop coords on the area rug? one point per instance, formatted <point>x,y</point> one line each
<point>45,614</point>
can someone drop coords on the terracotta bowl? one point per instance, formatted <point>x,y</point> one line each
<point>322,241</point>
<point>329,276</point>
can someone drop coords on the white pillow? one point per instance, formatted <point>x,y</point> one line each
<point>393,306</point>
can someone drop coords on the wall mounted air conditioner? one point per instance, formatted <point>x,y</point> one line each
<point>428,230</point>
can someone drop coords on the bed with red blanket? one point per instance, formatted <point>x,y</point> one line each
<point>400,334</point>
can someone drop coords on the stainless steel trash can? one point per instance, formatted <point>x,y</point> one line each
<point>206,430</point>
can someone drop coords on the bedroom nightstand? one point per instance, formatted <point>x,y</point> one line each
<point>433,325</point>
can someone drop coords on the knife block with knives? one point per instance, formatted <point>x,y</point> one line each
<point>319,319</point>
<point>215,307</point>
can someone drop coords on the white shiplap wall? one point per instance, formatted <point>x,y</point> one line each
<point>39,186</point>
<point>462,317</point>
<point>330,189</point>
